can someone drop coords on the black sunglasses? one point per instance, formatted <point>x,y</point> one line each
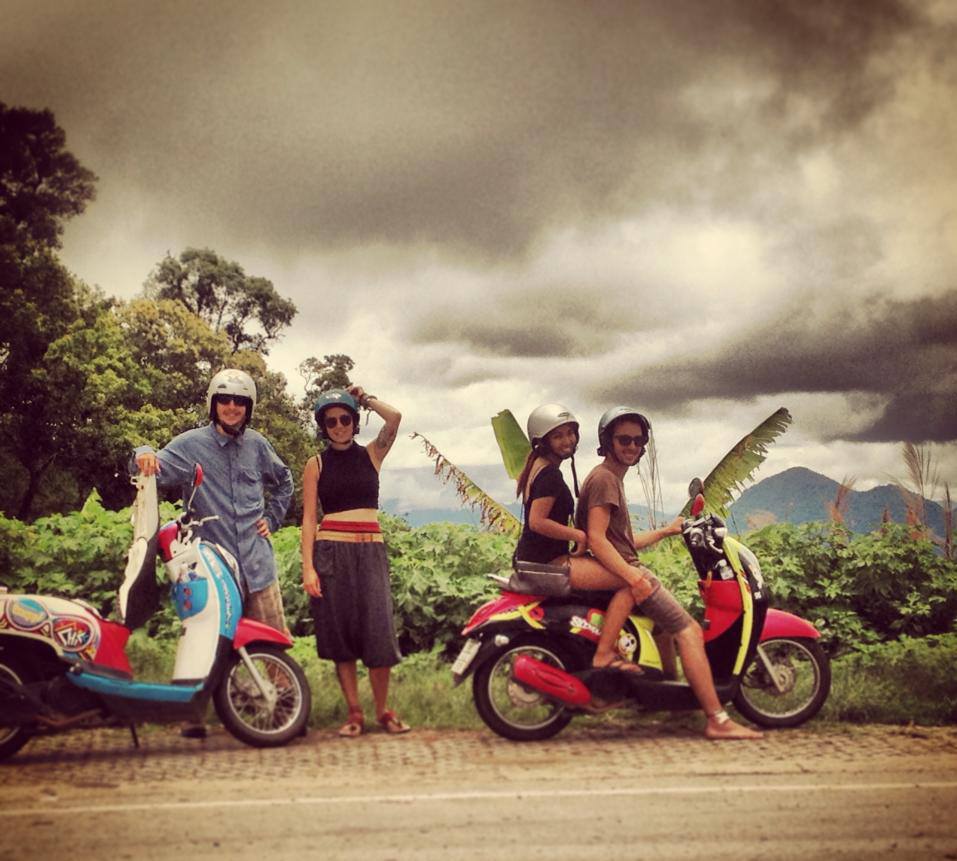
<point>624,440</point>
<point>238,400</point>
<point>331,421</point>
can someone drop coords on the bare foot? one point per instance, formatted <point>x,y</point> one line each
<point>720,727</point>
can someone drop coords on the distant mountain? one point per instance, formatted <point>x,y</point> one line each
<point>800,495</point>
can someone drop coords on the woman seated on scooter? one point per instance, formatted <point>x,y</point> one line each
<point>548,507</point>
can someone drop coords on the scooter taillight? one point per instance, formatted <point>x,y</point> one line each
<point>555,683</point>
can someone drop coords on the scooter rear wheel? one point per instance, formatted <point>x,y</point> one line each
<point>246,713</point>
<point>800,684</point>
<point>508,707</point>
<point>16,671</point>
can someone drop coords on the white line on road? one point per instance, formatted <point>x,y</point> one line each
<point>405,798</point>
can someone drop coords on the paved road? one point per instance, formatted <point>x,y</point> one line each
<point>593,792</point>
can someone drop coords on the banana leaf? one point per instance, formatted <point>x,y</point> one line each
<point>739,464</point>
<point>494,516</point>
<point>512,442</point>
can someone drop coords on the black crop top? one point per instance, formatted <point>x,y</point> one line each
<point>347,480</point>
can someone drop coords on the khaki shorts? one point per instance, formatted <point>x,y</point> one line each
<point>664,610</point>
<point>266,606</point>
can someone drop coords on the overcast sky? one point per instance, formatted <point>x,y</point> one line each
<point>705,209</point>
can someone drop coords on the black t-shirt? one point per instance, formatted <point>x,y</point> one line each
<point>533,547</point>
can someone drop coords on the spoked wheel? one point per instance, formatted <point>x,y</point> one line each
<point>249,715</point>
<point>14,672</point>
<point>786,683</point>
<point>508,707</point>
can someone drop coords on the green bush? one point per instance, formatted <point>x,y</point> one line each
<point>858,589</point>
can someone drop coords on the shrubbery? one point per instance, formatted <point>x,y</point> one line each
<point>857,589</point>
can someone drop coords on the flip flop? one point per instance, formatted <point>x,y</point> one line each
<point>392,723</point>
<point>621,665</point>
<point>354,726</point>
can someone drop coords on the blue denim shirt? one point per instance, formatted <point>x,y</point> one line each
<point>236,473</point>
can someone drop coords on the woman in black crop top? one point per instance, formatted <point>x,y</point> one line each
<point>546,533</point>
<point>345,570</point>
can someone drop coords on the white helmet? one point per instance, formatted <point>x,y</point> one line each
<point>546,418</point>
<point>231,381</point>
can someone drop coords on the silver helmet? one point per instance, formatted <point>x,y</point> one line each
<point>231,381</point>
<point>546,418</point>
<point>610,417</point>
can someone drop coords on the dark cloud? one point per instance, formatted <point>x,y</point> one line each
<point>470,127</point>
<point>903,351</point>
<point>543,321</point>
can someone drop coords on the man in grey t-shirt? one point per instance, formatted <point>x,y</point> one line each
<point>602,513</point>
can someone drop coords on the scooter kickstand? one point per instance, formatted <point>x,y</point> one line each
<point>136,739</point>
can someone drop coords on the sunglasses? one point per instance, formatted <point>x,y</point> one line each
<point>624,440</point>
<point>331,421</point>
<point>237,400</point>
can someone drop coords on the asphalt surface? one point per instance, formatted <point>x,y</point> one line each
<point>658,791</point>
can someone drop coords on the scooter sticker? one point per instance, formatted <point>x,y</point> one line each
<point>75,635</point>
<point>590,627</point>
<point>27,614</point>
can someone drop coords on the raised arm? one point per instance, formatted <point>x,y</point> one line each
<point>382,444</point>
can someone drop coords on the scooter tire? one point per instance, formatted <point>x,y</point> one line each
<point>805,673</point>
<point>509,709</point>
<point>241,707</point>
<point>18,671</point>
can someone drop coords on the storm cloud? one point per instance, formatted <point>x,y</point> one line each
<point>903,352</point>
<point>709,208</point>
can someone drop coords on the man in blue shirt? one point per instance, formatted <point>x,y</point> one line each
<point>239,468</point>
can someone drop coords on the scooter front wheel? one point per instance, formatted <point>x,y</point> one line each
<point>248,714</point>
<point>786,682</point>
<point>15,672</point>
<point>508,707</point>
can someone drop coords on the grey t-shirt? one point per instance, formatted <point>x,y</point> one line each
<point>603,487</point>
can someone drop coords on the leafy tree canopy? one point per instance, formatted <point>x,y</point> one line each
<point>41,183</point>
<point>246,309</point>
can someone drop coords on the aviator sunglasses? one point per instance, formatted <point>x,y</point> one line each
<point>331,421</point>
<point>237,400</point>
<point>624,440</point>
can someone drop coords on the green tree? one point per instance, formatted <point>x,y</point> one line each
<point>321,375</point>
<point>221,293</point>
<point>41,184</point>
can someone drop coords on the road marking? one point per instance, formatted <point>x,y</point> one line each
<point>478,795</point>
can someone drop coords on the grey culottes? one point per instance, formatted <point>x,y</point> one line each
<point>353,618</point>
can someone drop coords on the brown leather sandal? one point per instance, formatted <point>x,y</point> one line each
<point>354,726</point>
<point>392,723</point>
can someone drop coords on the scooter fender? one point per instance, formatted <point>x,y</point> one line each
<point>779,623</point>
<point>250,631</point>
